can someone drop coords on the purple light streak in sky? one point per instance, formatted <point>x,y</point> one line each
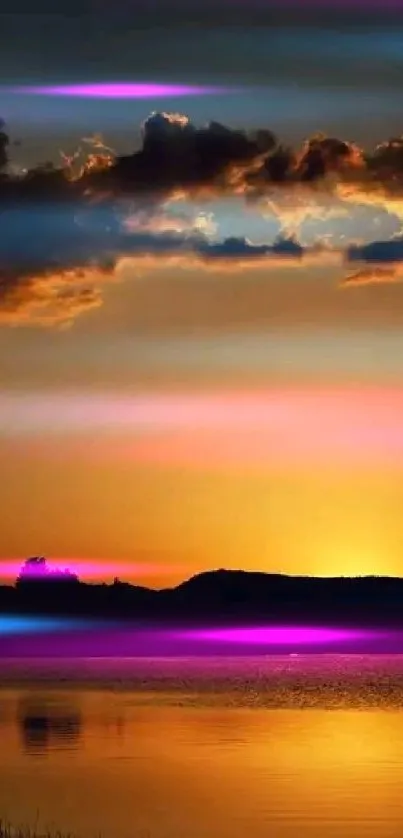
<point>118,90</point>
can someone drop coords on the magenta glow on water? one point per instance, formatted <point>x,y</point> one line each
<point>276,635</point>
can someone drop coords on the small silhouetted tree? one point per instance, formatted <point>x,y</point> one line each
<point>36,570</point>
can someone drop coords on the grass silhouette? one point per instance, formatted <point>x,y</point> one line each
<point>9,831</point>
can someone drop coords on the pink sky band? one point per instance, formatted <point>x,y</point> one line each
<point>91,570</point>
<point>273,427</point>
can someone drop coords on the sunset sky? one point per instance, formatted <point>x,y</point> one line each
<point>221,384</point>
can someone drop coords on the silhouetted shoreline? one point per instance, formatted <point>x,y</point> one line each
<point>222,597</point>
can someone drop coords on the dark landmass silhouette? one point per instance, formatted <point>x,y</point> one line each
<point>219,596</point>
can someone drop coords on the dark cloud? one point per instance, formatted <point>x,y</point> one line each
<point>61,289</point>
<point>177,156</point>
<point>54,258</point>
<point>239,248</point>
<point>4,143</point>
<point>61,226</point>
<point>377,252</point>
<point>379,263</point>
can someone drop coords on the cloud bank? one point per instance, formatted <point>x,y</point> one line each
<point>65,230</point>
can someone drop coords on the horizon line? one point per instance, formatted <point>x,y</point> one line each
<point>61,565</point>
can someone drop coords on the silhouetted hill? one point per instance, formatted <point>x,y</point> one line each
<point>221,596</point>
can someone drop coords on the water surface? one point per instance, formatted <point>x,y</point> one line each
<point>283,747</point>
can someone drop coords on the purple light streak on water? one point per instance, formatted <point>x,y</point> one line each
<point>118,641</point>
<point>276,636</point>
<point>121,90</point>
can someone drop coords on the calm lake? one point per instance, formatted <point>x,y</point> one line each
<point>281,747</point>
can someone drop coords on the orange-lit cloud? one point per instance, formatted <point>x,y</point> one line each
<point>65,230</point>
<point>372,276</point>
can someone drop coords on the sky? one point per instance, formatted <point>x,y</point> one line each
<point>201,311</point>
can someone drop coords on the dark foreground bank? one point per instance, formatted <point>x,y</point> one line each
<point>221,597</point>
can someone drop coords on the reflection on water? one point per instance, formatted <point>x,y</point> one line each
<point>46,723</point>
<point>128,763</point>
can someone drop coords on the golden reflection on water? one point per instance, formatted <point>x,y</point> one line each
<point>92,761</point>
